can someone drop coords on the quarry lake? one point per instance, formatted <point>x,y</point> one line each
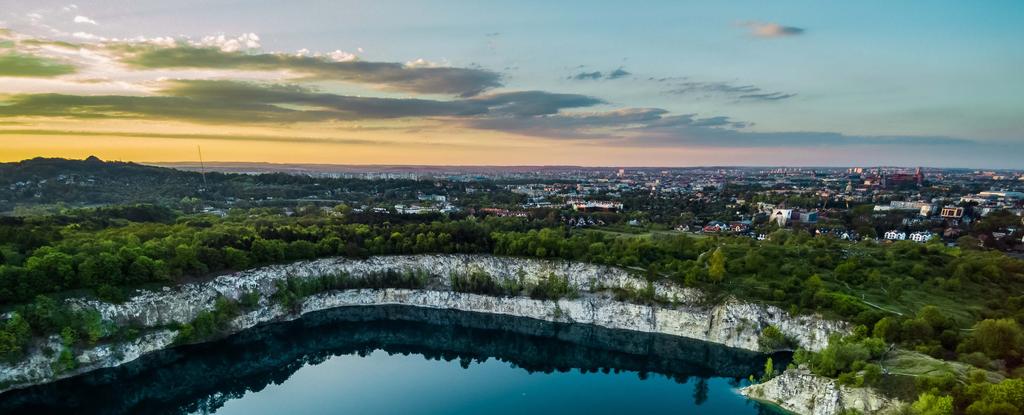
<point>406,360</point>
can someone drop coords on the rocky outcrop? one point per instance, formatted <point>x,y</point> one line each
<point>800,391</point>
<point>732,323</point>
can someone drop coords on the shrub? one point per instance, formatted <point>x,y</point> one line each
<point>928,404</point>
<point>480,282</point>
<point>209,324</point>
<point>843,355</point>
<point>772,339</point>
<point>552,287</point>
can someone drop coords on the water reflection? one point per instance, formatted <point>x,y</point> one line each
<point>203,378</point>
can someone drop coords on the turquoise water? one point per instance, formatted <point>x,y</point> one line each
<point>401,360</point>
<point>395,384</point>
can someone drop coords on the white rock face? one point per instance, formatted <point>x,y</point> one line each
<point>37,367</point>
<point>733,323</point>
<point>800,391</point>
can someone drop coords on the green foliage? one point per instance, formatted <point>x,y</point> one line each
<point>65,361</point>
<point>928,404</point>
<point>552,287</point>
<point>14,337</point>
<point>647,295</point>
<point>844,357</point>
<point>1006,397</point>
<point>475,281</point>
<point>772,339</point>
<point>998,339</point>
<point>920,296</point>
<point>769,370</point>
<point>291,291</point>
<point>716,266</point>
<point>249,300</point>
<point>210,323</point>
<point>111,294</point>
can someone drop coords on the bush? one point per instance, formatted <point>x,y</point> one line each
<point>772,339</point>
<point>998,339</point>
<point>480,282</point>
<point>209,324</point>
<point>848,354</point>
<point>111,294</point>
<point>929,404</point>
<point>249,300</point>
<point>552,287</point>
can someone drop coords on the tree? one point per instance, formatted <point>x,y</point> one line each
<point>999,339</point>
<point>236,259</point>
<point>769,370</point>
<point>928,404</point>
<point>102,268</point>
<point>716,266</point>
<point>886,329</point>
<point>54,269</point>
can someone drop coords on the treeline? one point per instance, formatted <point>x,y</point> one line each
<point>35,183</point>
<point>55,254</point>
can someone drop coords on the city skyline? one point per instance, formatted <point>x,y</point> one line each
<point>931,84</point>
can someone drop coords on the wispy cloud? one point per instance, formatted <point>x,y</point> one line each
<point>598,75</point>
<point>772,30</point>
<point>85,20</point>
<point>727,90</point>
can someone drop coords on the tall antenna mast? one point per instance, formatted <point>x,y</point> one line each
<point>202,167</point>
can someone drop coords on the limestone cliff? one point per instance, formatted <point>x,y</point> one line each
<point>800,391</point>
<point>732,323</point>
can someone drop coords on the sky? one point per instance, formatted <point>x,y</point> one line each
<point>674,83</point>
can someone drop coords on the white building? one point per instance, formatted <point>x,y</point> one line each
<point>895,235</point>
<point>922,236</point>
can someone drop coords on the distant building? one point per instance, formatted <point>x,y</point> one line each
<point>952,212</point>
<point>784,217</point>
<point>715,227</point>
<point>594,206</point>
<point>921,237</point>
<point>895,235</point>
<point>505,212</point>
<point>433,198</point>
<point>781,216</point>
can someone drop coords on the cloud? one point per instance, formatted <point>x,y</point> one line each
<point>25,65</point>
<point>594,125</point>
<point>587,75</point>
<point>419,78</point>
<point>598,75</point>
<point>241,102</point>
<point>772,30</point>
<point>218,137</point>
<point>697,134</point>
<point>655,127</point>
<point>726,90</point>
<point>616,74</point>
<point>243,42</point>
<point>85,20</point>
